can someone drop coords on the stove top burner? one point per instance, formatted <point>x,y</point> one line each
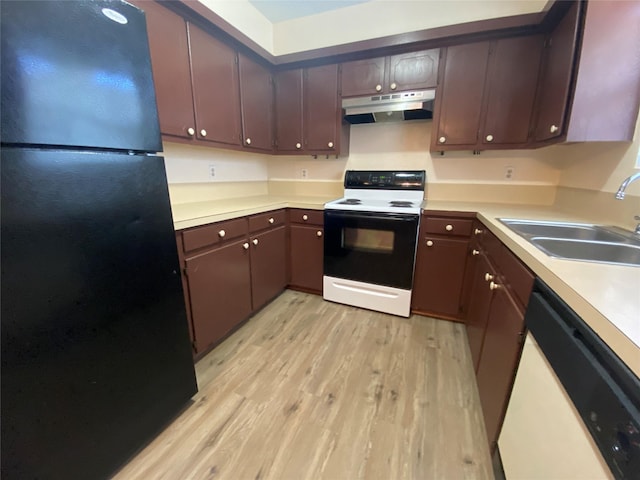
<point>350,201</point>
<point>400,203</point>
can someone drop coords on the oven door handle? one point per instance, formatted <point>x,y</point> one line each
<point>371,216</point>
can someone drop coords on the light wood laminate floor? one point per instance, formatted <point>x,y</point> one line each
<point>309,389</point>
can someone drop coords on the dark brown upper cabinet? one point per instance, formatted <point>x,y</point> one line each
<point>590,87</point>
<point>169,47</point>
<point>256,94</point>
<point>487,94</point>
<point>289,125</point>
<point>216,95</point>
<point>397,73</point>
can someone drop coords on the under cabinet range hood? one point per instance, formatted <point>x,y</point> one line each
<point>417,105</point>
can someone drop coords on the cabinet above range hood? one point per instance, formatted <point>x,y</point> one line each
<point>417,105</point>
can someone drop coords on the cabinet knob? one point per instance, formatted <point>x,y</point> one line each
<point>245,245</point>
<point>248,141</point>
<point>475,252</point>
<point>222,233</point>
<point>305,217</point>
<point>330,144</point>
<point>448,228</point>
<point>494,286</point>
<point>271,220</point>
<point>489,138</point>
<point>298,145</point>
<point>191,131</point>
<point>203,132</point>
<point>477,231</point>
<point>429,243</point>
<point>488,277</point>
<point>319,233</point>
<point>442,139</point>
<point>255,241</point>
<point>393,86</point>
<point>553,129</point>
<point>378,88</point>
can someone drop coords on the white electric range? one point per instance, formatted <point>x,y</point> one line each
<point>370,240</point>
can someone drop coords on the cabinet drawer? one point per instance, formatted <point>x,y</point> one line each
<point>307,217</point>
<point>266,220</point>
<point>214,233</point>
<point>518,277</point>
<point>447,226</point>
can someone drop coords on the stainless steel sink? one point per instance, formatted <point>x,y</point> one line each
<point>580,241</point>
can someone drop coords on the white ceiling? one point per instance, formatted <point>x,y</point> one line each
<point>281,10</point>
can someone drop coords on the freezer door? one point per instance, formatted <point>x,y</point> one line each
<point>77,74</point>
<point>95,348</point>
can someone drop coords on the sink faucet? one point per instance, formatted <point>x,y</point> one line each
<point>620,194</point>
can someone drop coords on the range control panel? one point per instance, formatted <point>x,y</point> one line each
<point>385,179</point>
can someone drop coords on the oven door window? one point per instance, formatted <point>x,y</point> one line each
<point>375,248</point>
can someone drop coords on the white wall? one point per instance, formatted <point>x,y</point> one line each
<point>405,145</point>
<point>379,18</point>
<point>191,164</point>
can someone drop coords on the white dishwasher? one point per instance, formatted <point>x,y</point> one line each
<point>574,412</point>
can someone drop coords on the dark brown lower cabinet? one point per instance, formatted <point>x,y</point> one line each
<point>498,361</point>
<point>220,291</point>
<point>439,275</point>
<point>479,304</point>
<point>268,265</point>
<point>306,257</point>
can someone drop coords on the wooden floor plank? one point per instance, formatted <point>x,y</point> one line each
<point>309,389</point>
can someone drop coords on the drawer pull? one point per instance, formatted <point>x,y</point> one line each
<point>477,231</point>
<point>448,228</point>
<point>488,277</point>
<point>319,233</point>
<point>494,286</point>
<point>255,241</point>
<point>305,217</point>
<point>475,252</point>
<point>429,243</point>
<point>222,233</point>
<point>271,220</point>
<point>245,245</point>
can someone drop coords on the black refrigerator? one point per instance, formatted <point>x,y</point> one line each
<point>96,357</point>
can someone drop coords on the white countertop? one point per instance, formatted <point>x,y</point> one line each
<point>607,297</point>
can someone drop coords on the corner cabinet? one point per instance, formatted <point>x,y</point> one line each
<point>397,73</point>
<point>441,264</point>
<point>306,249</point>
<point>487,94</point>
<point>309,112</point>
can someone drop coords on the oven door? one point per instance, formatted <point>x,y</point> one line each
<point>375,248</point>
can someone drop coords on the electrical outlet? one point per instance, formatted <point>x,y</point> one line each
<point>304,173</point>
<point>509,171</point>
<point>212,171</point>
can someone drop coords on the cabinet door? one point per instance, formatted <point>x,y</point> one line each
<point>220,292</point>
<point>215,88</point>
<point>459,99</point>
<point>511,90</point>
<point>289,121</point>
<point>479,304</point>
<point>268,265</point>
<point>256,95</point>
<point>169,48</point>
<point>556,77</point>
<point>306,257</point>
<point>498,361</point>
<point>363,77</point>
<point>322,108</point>
<point>439,275</point>
<point>412,71</point>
